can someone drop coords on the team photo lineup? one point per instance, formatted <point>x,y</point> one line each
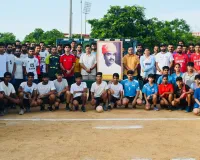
<point>41,75</point>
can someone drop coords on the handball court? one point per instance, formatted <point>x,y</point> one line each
<point>119,134</point>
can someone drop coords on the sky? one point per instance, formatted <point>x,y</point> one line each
<point>22,16</point>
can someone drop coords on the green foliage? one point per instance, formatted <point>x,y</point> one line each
<point>7,37</point>
<point>49,37</point>
<point>130,22</point>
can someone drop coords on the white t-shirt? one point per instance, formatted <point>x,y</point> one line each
<point>10,60</point>
<point>88,61</point>
<point>26,88</point>
<point>60,85</point>
<point>99,89</point>
<point>163,60</point>
<point>23,56</point>
<point>116,88</point>
<point>75,87</point>
<point>19,68</point>
<point>43,89</point>
<point>31,65</point>
<point>3,61</point>
<point>7,89</point>
<point>43,56</point>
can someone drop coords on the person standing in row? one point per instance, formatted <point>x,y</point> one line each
<point>88,63</point>
<point>67,64</point>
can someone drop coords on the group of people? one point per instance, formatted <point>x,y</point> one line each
<point>34,75</point>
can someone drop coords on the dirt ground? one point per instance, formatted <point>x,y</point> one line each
<point>159,139</point>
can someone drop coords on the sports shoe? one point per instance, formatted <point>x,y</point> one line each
<point>21,112</point>
<point>156,109</point>
<point>50,108</point>
<point>67,108</point>
<point>76,108</point>
<point>28,109</point>
<point>2,113</point>
<point>109,107</point>
<point>57,108</point>
<point>188,109</point>
<point>42,108</point>
<point>83,109</point>
<point>105,108</point>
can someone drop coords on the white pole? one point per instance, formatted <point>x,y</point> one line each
<point>85,22</point>
<point>81,22</point>
<point>70,19</point>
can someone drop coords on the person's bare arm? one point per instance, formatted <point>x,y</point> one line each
<point>14,69</point>
<point>197,101</point>
<point>93,67</point>
<point>158,68</point>
<point>47,68</point>
<point>92,95</point>
<point>61,66</point>
<point>171,64</point>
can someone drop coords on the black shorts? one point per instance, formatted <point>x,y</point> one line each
<point>26,102</point>
<point>79,99</point>
<point>130,99</point>
<point>183,102</point>
<point>45,100</point>
<point>61,97</point>
<point>98,100</point>
<point>114,99</point>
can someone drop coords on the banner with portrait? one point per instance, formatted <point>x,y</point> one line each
<point>109,58</point>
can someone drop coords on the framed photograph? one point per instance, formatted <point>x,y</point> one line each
<point>109,58</point>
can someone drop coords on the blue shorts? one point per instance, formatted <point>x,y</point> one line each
<point>196,105</point>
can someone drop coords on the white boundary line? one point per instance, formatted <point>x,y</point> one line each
<point>100,119</point>
<point>119,127</point>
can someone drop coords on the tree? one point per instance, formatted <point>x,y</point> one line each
<point>7,37</point>
<point>50,37</point>
<point>35,36</point>
<point>130,22</point>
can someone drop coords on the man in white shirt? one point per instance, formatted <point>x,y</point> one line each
<point>62,91</point>
<point>99,92</point>
<point>7,94</point>
<point>79,93</point>
<point>108,65</point>
<point>18,69</point>
<point>28,93</point>
<point>115,92</point>
<point>3,61</point>
<point>30,64</point>
<point>10,58</point>
<point>43,55</point>
<point>88,63</point>
<point>46,93</point>
<point>163,58</point>
<point>24,52</point>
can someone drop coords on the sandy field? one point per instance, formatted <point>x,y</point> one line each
<point>120,134</point>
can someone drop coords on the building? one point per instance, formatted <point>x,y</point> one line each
<point>196,34</point>
<point>77,35</point>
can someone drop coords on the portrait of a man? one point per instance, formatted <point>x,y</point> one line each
<point>109,58</point>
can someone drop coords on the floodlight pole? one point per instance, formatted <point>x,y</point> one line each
<point>81,22</point>
<point>70,19</point>
<point>85,22</point>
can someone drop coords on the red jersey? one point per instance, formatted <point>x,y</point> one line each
<point>38,67</point>
<point>195,58</point>
<point>163,88</point>
<point>189,55</point>
<point>182,59</point>
<point>67,61</point>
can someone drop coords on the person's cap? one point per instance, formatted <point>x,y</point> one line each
<point>109,48</point>
<point>163,44</point>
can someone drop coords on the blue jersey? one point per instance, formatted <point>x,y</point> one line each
<point>197,93</point>
<point>174,76</point>
<point>130,87</point>
<point>159,81</point>
<point>149,90</point>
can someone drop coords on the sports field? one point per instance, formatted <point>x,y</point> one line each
<point>120,134</point>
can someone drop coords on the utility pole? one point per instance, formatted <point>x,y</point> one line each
<point>81,22</point>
